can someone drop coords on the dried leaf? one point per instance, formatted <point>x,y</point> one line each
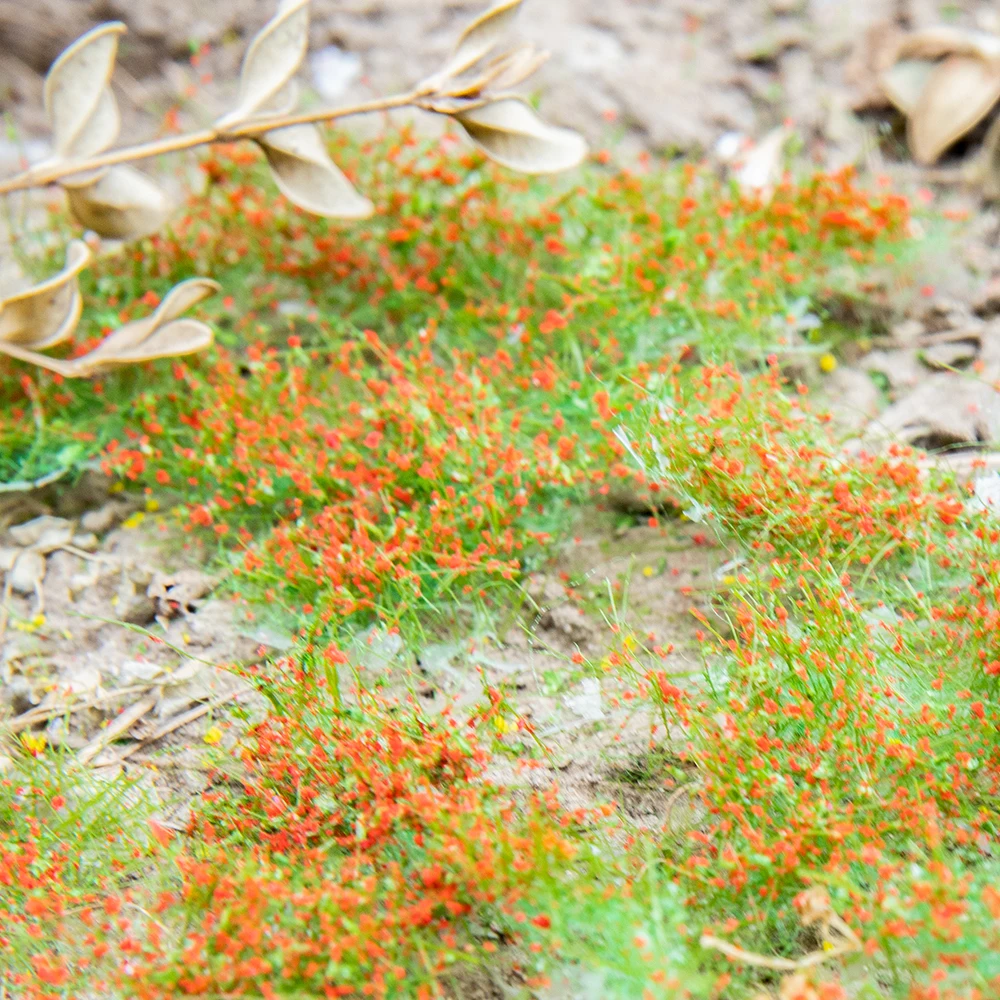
<point>272,59</point>
<point>75,90</point>
<point>945,40</point>
<point>46,314</point>
<point>762,167</point>
<point>119,202</point>
<point>959,93</point>
<point>307,176</point>
<point>480,38</point>
<point>161,334</point>
<point>509,132</point>
<point>989,164</point>
<point>904,82</point>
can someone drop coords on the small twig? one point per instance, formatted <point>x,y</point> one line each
<point>42,713</point>
<point>177,722</point>
<point>672,801</point>
<point>737,954</point>
<point>27,485</point>
<point>48,173</point>
<point>117,726</point>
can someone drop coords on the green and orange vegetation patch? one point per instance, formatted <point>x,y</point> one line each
<point>397,421</point>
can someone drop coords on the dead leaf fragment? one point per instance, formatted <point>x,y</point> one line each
<point>307,176</point>
<point>958,94</point>
<point>509,132</point>
<point>117,202</point>
<point>46,314</point>
<point>76,94</point>
<point>271,60</point>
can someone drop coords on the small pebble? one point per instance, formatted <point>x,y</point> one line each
<point>27,573</point>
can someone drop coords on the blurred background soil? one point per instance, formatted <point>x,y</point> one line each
<point>666,75</point>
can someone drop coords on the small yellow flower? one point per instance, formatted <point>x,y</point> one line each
<point>501,725</point>
<point>117,488</point>
<point>729,579</point>
<point>34,743</point>
<point>152,505</point>
<point>648,571</point>
<point>213,736</point>
<point>32,625</point>
<point>135,520</point>
<point>827,363</point>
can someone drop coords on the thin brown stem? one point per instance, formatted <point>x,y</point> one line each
<point>52,171</point>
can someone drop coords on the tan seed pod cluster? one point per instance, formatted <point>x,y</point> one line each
<point>108,195</point>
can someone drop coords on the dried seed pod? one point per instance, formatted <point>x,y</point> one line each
<point>480,38</point>
<point>307,176</point>
<point>46,314</point>
<point>162,334</point>
<point>508,131</point>
<point>958,94</point>
<point>117,202</point>
<point>904,82</point>
<point>79,105</point>
<point>272,59</point>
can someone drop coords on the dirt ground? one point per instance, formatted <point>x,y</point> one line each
<point>673,75</point>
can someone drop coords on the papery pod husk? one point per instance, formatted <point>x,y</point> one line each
<point>173,340</point>
<point>76,90</point>
<point>761,168</point>
<point>509,132</point>
<point>117,202</point>
<point>503,73</point>
<point>904,83</point>
<point>161,334</point>
<point>271,59</point>
<point>307,176</point>
<point>47,313</point>
<point>947,40</point>
<point>959,93</point>
<point>480,38</point>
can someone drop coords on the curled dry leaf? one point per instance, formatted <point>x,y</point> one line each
<point>959,93</point>
<point>78,102</point>
<point>947,40</point>
<point>272,60</point>
<point>480,38</point>
<point>46,314</point>
<point>989,164</point>
<point>162,334</point>
<point>904,82</point>
<point>762,167</point>
<point>117,202</point>
<point>508,131</point>
<point>307,176</point>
